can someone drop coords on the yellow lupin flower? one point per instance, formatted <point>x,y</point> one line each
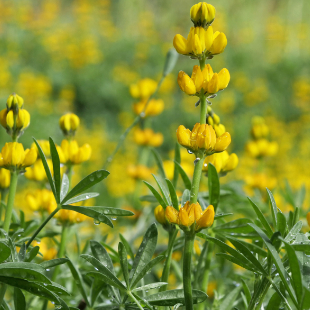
<point>154,107</point>
<point>200,42</point>
<point>308,218</point>
<point>159,214</point>
<point>45,146</point>
<point>70,152</point>
<point>69,123</point>
<point>261,148</point>
<point>14,101</point>
<point>37,172</point>
<point>207,80</point>
<point>148,137</point>
<point>191,214</point>
<point>143,89</point>
<point>7,120</point>
<point>202,14</point>
<point>223,162</point>
<point>140,172</point>
<point>14,156</point>
<point>202,137</point>
<point>5,178</point>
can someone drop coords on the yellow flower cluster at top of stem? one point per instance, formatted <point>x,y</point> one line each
<point>191,214</point>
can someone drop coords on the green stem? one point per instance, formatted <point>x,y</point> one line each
<point>10,204</point>
<point>135,301</point>
<point>200,264</point>
<point>196,177</point>
<point>262,297</point>
<point>62,248</point>
<point>203,109</point>
<point>42,226</point>
<point>1,203</point>
<point>258,293</point>
<point>187,259</point>
<point>2,292</point>
<point>166,270</point>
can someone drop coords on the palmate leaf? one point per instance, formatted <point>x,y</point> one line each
<point>81,197</point>
<point>236,261</point>
<point>105,273</point>
<point>173,297</point>
<point>145,252</point>
<point>89,181</point>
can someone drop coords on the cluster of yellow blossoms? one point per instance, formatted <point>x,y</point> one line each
<point>191,214</point>
<point>260,146</point>
<point>5,178</point>
<point>203,137</point>
<point>148,137</point>
<point>14,118</point>
<point>69,123</point>
<point>223,162</point>
<point>205,81</point>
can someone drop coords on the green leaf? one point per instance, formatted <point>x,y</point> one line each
<point>248,254</point>
<point>145,269</point>
<point>5,252</point>
<point>90,212</point>
<point>28,271</point>
<point>261,218</point>
<point>32,254</point>
<point>296,215</point>
<point>31,287</point>
<point>274,302</point>
<point>236,261</point>
<point>173,195</point>
<point>306,299</point>
<point>145,252</point>
<point>156,195</point>
<point>227,248</point>
<point>246,291</point>
<point>57,289</point>
<point>127,246</point>
<point>186,196</point>
<point>278,263</point>
<point>86,183</point>
<point>230,298</point>
<point>237,226</point>
<point>106,274</point>
<point>22,253</point>
<point>46,168</point>
<point>81,197</point>
<point>251,246</point>
<point>301,196</point>
<point>214,186</point>
<point>282,226</point>
<point>293,232</point>
<point>260,233</point>
<point>173,297</point>
<point>177,158</point>
<point>274,209</point>
<point>78,280</point>
<point>163,190</point>
<point>19,299</point>
<point>56,168</point>
<point>301,247</point>
<point>148,198</point>
<point>53,262</point>
<point>184,176</point>
<point>122,253</point>
<point>96,288</point>
<point>159,163</point>
<point>150,286</point>
<point>65,184</point>
<point>220,215</point>
<point>170,62</point>
<point>295,271</point>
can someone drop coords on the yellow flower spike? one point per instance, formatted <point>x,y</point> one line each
<point>83,154</point>
<point>197,78</point>
<point>159,213</point>
<point>224,78</point>
<point>17,154</point>
<point>5,178</point>
<point>10,119</point>
<point>186,83</point>
<point>231,163</point>
<point>213,85</point>
<point>206,219</point>
<point>210,121</point>
<point>222,142</point>
<point>219,43</point>
<point>14,100</point>
<point>143,89</point>
<point>180,44</point>
<point>30,157</point>
<point>172,215</point>
<point>202,13</point>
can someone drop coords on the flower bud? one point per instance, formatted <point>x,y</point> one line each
<point>202,14</point>
<point>216,119</point>
<point>10,119</point>
<point>23,119</point>
<point>159,213</point>
<point>222,142</point>
<point>184,136</point>
<point>3,114</point>
<point>172,215</point>
<point>69,123</point>
<point>213,85</point>
<point>219,129</point>
<point>180,44</point>
<point>14,101</point>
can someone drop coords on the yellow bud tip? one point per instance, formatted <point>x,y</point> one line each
<point>222,142</point>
